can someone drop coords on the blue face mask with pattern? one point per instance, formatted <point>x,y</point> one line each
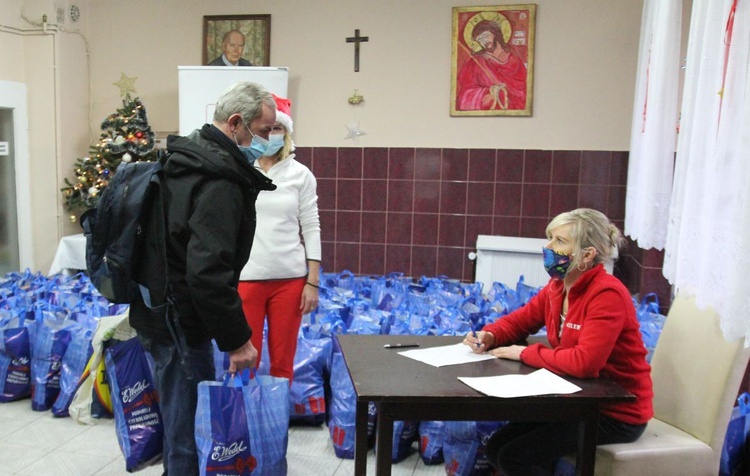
<point>556,264</point>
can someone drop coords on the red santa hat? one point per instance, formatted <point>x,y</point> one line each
<point>284,112</point>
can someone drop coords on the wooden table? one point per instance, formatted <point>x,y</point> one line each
<point>405,389</point>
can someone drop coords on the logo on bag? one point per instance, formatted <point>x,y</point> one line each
<point>22,362</point>
<point>130,393</point>
<point>223,453</point>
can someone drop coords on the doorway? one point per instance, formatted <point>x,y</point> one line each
<point>15,202</point>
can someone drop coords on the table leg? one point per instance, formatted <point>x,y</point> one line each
<point>360,440</point>
<point>384,443</point>
<point>587,436</point>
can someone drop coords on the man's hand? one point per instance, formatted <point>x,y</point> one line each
<point>242,358</point>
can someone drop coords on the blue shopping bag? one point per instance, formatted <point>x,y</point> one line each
<point>15,357</point>
<point>241,426</point>
<point>135,403</point>
<point>342,415</point>
<point>737,439</point>
<point>464,445</point>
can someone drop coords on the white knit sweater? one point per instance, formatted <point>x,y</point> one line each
<point>278,252</point>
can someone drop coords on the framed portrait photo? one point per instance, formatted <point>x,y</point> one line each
<point>492,65</point>
<point>247,37</point>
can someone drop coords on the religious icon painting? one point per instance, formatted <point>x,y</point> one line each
<point>492,66</point>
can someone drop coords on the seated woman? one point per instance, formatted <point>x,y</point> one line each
<point>592,331</point>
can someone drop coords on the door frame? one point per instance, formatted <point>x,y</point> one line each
<point>13,96</point>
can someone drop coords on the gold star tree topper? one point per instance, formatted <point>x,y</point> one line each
<point>126,84</point>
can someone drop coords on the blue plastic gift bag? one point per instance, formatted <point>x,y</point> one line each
<point>15,358</point>
<point>49,346</point>
<point>343,412</point>
<point>74,361</point>
<point>135,401</point>
<point>241,427</point>
<point>431,436</point>
<point>737,440</point>
<point>312,363</point>
<point>464,445</point>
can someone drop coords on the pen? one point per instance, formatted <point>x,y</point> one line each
<point>474,334</point>
<point>399,346</point>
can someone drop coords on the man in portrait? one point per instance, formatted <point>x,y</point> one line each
<point>232,45</point>
<point>493,78</point>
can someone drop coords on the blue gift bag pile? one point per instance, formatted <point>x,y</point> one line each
<point>397,305</point>
<point>47,324</point>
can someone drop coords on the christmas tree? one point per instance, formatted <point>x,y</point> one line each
<point>127,137</point>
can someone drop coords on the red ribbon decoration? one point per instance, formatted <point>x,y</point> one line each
<point>250,463</point>
<point>728,30</point>
<point>645,99</point>
<point>241,466</point>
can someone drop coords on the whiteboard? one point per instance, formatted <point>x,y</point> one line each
<point>201,86</point>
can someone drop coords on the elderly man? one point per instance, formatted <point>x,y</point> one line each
<point>233,45</point>
<point>209,188</point>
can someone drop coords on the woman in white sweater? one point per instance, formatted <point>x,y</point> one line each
<point>280,280</point>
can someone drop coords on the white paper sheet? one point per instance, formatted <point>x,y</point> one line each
<point>446,355</point>
<point>540,382</point>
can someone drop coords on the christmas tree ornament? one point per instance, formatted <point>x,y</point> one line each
<point>354,131</point>
<point>72,218</point>
<point>126,157</point>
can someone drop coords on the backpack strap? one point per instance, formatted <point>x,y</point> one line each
<point>165,304</point>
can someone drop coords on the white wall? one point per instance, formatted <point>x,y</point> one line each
<point>52,64</point>
<point>586,53</point>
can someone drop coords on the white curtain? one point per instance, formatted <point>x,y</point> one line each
<point>708,236</point>
<point>654,127</point>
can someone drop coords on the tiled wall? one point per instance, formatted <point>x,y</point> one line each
<point>419,211</point>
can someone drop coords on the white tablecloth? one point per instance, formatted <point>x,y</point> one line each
<point>70,256</point>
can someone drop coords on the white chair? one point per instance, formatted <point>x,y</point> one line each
<point>696,375</point>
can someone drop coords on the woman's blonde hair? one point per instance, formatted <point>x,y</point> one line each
<point>286,151</point>
<point>591,228</point>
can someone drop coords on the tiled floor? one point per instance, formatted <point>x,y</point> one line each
<point>38,444</point>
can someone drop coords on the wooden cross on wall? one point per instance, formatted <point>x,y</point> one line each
<point>356,39</point>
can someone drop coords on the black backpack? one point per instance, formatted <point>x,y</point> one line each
<point>125,236</point>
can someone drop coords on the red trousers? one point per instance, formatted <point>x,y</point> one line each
<point>278,301</point>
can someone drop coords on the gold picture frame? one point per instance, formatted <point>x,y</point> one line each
<point>257,31</point>
<point>492,66</point>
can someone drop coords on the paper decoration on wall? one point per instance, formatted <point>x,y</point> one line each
<point>354,131</point>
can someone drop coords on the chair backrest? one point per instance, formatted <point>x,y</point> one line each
<point>696,373</point>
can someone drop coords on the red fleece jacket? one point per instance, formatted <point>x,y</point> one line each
<point>601,337</point>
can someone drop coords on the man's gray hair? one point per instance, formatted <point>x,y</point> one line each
<point>245,98</point>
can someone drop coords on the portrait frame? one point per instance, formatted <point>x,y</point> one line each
<point>257,31</point>
<point>495,79</point>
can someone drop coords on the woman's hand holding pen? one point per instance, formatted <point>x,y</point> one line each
<point>479,341</point>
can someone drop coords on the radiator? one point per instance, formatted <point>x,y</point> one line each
<point>504,259</point>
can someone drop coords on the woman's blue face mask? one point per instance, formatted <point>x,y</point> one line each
<point>275,143</point>
<point>556,264</point>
